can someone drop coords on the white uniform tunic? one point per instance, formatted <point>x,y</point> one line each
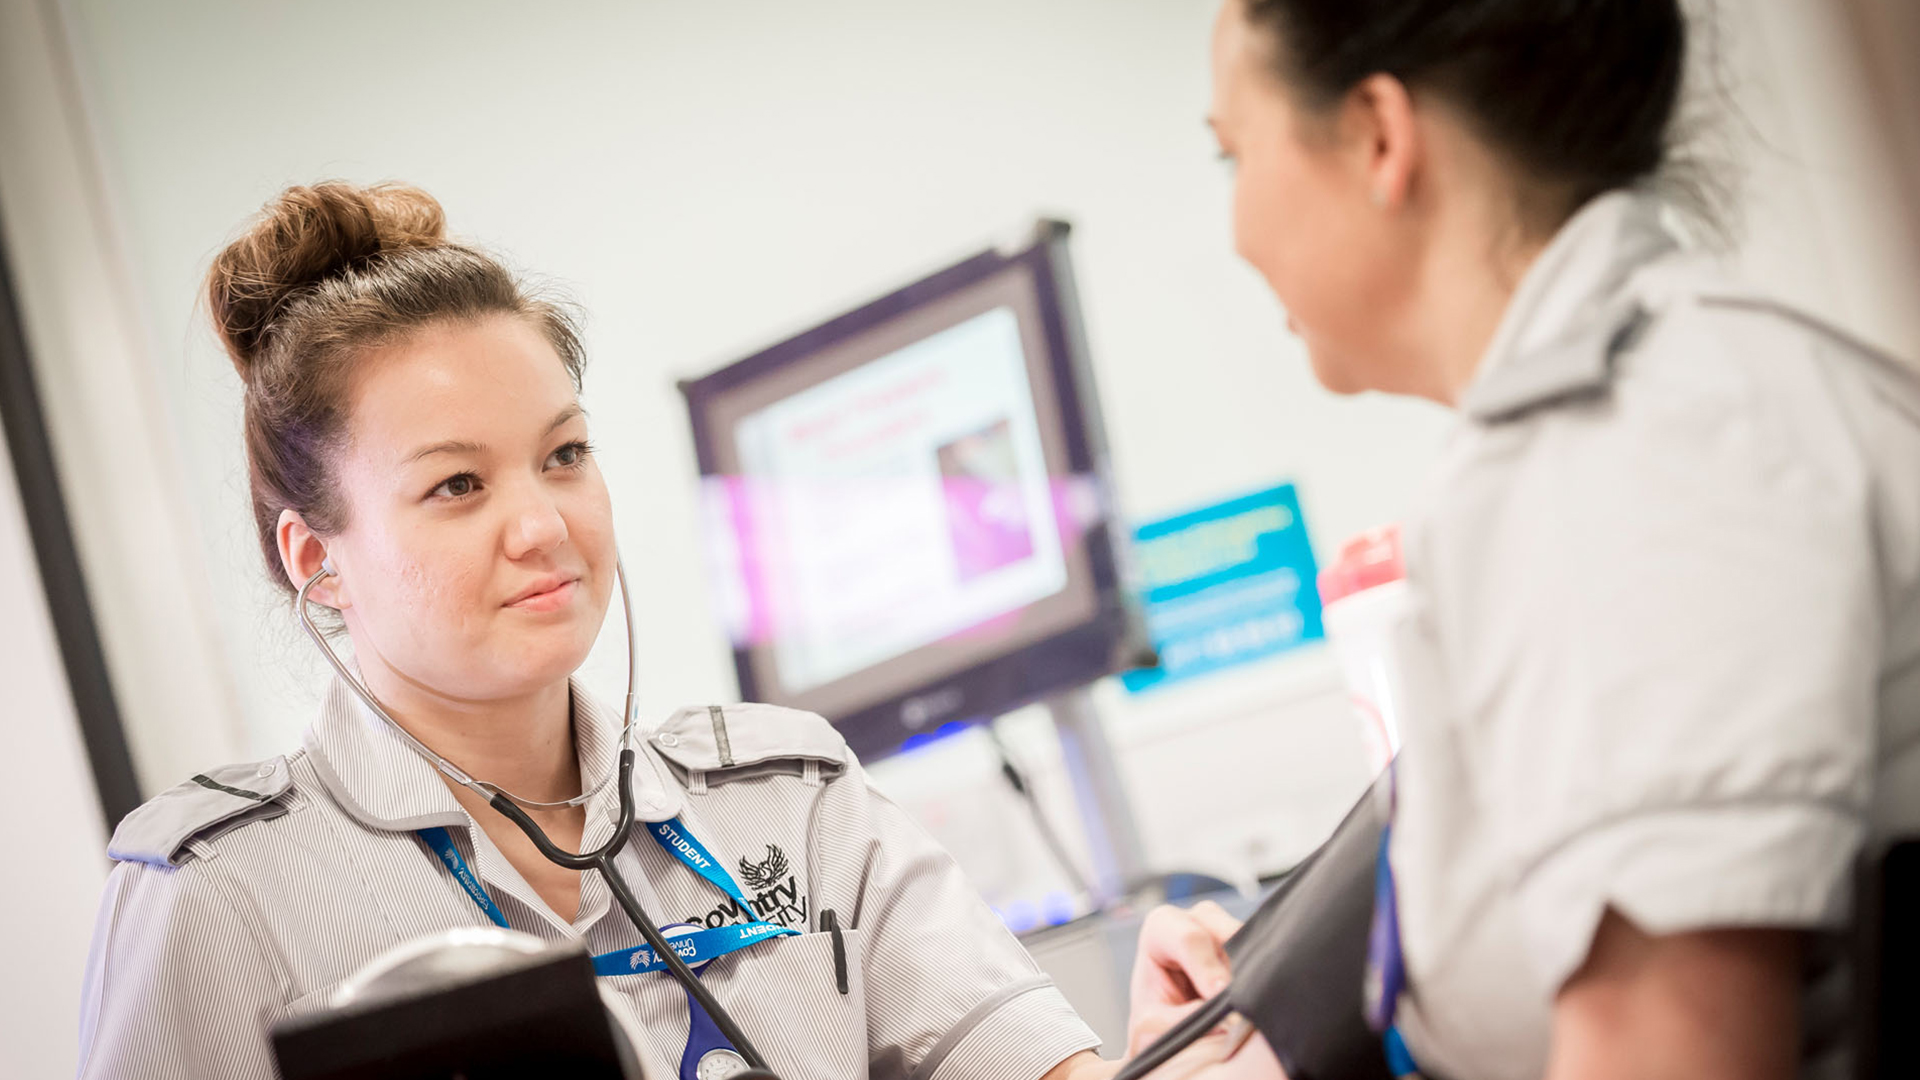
<point>247,896</point>
<point>1668,576</point>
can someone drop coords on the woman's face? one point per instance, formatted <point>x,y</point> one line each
<point>1305,210</point>
<point>478,557</point>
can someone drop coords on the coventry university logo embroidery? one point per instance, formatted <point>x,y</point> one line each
<point>760,875</point>
<point>773,895</point>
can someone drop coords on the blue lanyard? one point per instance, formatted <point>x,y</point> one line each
<point>1386,962</point>
<point>696,947</point>
<point>682,845</point>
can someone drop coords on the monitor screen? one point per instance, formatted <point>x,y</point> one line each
<point>906,508</point>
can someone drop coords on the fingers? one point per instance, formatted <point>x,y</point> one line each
<point>1234,1035</point>
<point>1211,1059</point>
<point>1179,957</point>
<point>1145,1025</point>
<point>1215,918</point>
<point>1178,965</point>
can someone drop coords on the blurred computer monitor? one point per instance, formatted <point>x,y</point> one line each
<point>907,506</point>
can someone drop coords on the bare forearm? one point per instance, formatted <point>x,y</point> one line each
<point>1716,1005</point>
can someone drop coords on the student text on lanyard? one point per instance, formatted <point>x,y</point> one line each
<point>708,1055</point>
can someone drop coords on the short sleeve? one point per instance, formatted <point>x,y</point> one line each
<point>1668,650</point>
<point>951,995</point>
<point>177,987</point>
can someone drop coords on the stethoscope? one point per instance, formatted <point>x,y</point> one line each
<point>600,859</point>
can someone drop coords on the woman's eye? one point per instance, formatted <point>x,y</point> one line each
<point>570,455</point>
<point>455,487</point>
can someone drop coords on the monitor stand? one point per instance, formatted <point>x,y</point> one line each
<point>1106,815</point>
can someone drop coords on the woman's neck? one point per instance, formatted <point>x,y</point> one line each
<point>1475,250</point>
<point>1469,285</point>
<point>524,744</point>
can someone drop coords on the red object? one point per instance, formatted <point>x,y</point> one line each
<point>1370,559</point>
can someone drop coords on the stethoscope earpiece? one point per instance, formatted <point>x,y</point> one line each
<point>326,564</point>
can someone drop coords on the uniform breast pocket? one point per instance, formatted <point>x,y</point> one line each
<point>803,1002</point>
<point>313,1001</point>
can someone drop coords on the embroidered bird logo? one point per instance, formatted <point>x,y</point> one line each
<point>760,875</point>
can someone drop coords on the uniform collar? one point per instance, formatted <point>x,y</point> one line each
<point>382,782</point>
<point>1572,313</point>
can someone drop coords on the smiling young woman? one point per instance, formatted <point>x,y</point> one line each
<point>413,425</point>
<point>1667,563</point>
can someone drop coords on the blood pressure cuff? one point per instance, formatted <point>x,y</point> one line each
<point>1299,964</point>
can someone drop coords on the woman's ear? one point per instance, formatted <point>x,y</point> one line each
<point>301,555</point>
<point>1389,142</point>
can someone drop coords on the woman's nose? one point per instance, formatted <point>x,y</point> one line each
<point>537,526</point>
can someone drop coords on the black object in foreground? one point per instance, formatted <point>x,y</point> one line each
<point>1299,964</point>
<point>1886,958</point>
<point>540,1018</point>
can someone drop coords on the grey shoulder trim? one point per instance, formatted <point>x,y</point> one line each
<point>1901,372</point>
<point>159,831</point>
<point>714,738</point>
<point>211,784</point>
<point>721,740</point>
<point>936,1056</point>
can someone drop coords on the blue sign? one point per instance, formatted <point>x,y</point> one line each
<point>1226,584</point>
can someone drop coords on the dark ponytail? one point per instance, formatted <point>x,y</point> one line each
<point>1579,95</point>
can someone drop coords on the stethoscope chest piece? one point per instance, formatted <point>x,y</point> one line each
<point>708,1056</point>
<point>720,1063</point>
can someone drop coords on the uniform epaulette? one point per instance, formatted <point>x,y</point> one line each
<point>1579,365</point>
<point>209,805</point>
<point>715,738</point>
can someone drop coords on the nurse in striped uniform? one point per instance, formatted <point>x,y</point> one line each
<point>1664,574</point>
<point>412,419</point>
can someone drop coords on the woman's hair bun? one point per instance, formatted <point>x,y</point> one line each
<point>303,238</point>
<point>321,276</point>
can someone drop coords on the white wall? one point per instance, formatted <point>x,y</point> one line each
<point>100,381</point>
<point>92,369</point>
<point>49,820</point>
<point>709,179</point>
<point>1820,219</point>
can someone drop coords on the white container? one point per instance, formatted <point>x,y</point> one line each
<point>1368,613</point>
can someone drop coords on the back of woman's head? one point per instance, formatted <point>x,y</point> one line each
<point>325,274</point>
<point>1578,95</point>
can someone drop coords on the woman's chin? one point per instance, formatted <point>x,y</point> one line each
<point>1333,377</point>
<point>1340,373</point>
<point>534,665</point>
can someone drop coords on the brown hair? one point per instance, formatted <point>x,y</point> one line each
<point>324,274</point>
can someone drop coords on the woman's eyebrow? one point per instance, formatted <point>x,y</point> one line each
<point>451,446</point>
<point>460,446</point>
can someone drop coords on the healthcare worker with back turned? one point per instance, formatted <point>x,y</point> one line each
<point>420,465</point>
<point>1667,565</point>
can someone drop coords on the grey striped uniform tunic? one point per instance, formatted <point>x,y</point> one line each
<point>248,895</point>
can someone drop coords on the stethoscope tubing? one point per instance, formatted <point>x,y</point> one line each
<point>1188,1031</point>
<point>601,858</point>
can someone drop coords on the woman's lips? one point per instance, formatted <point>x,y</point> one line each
<point>549,600</point>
